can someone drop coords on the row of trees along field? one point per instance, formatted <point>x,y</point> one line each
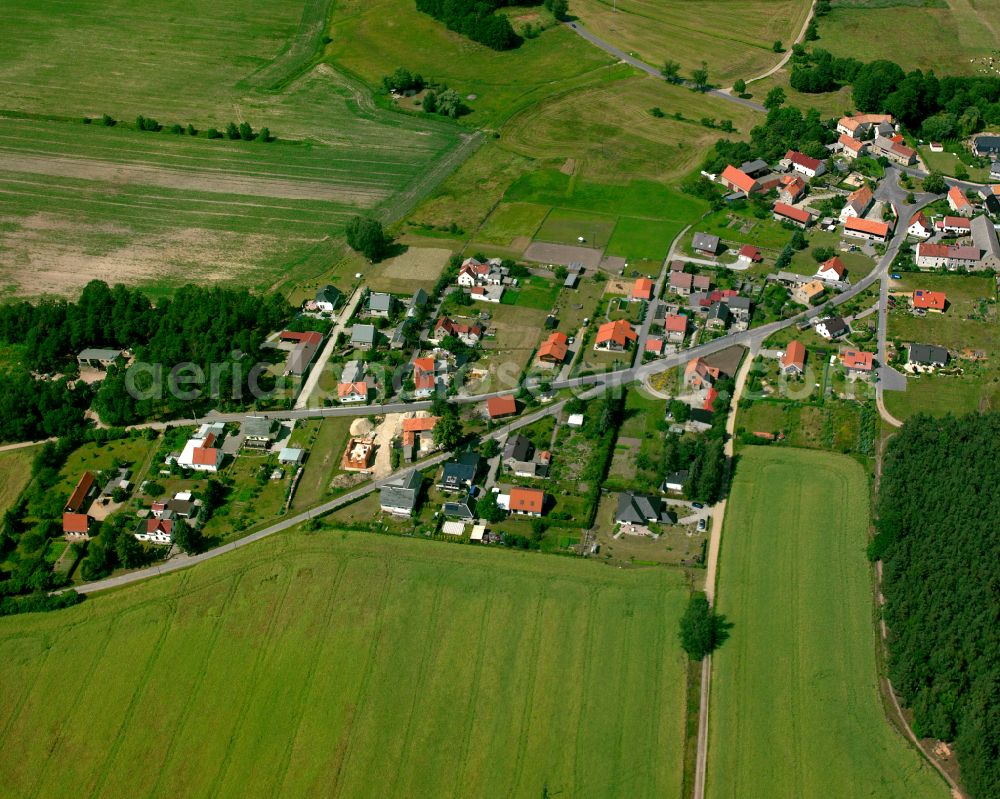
<point>938,538</point>
<point>205,326</point>
<point>939,107</point>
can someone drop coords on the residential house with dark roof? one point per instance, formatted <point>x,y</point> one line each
<point>832,327</point>
<point>460,473</point>
<point>641,509</point>
<point>399,495</point>
<point>925,358</point>
<point>258,432</point>
<point>705,243</point>
<point>328,298</point>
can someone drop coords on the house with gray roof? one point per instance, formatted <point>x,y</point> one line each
<point>521,458</point>
<point>399,495</point>
<point>380,304</point>
<point>925,358</point>
<point>363,337</point>
<point>463,508</point>
<point>984,236</point>
<point>98,357</point>
<point>705,243</point>
<point>640,509</point>
<point>719,316</point>
<point>328,298</point>
<point>459,474</point>
<point>258,431</point>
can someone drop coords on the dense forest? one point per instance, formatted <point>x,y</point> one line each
<point>939,107</point>
<point>938,538</point>
<point>477,20</point>
<point>202,326</point>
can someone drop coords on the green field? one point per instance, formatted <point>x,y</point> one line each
<point>511,221</point>
<point>349,665</point>
<point>15,472</point>
<point>84,201</point>
<point>565,226</point>
<point>795,709</point>
<point>948,36</point>
<point>736,40</point>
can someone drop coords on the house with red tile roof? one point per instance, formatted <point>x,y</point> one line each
<point>615,336</point>
<point>750,254</point>
<point>832,270</point>
<point>698,374</point>
<point>851,147</point>
<point>675,326</point>
<point>737,180</point>
<point>157,530</point>
<point>860,124</point>
<point>202,454</point>
<point>793,359</point>
<point>352,392</point>
<point>920,226</point>
<point>954,225</point>
<point>857,361</point>
<point>791,188</point>
<point>499,407</point>
<point>654,345</point>
<point>526,501</point>
<point>468,334</point>
<point>554,348</point>
<point>958,202</point>
<point>866,229</point>
<point>76,522</point>
<point>929,300</point>
<point>789,213</point>
<point>858,202</point>
<point>642,289</point>
<point>949,256</point>
<point>894,149</point>
<point>800,162</point>
<point>424,378</point>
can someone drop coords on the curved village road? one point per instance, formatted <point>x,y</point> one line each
<point>184,561</point>
<point>788,52</point>
<point>621,55</point>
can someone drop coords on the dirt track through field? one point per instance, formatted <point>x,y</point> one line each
<point>184,180</point>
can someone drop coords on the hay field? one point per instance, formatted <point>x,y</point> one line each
<point>949,36</point>
<point>795,706</point>
<point>735,37</point>
<point>348,665</point>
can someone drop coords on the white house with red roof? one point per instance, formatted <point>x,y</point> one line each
<point>832,270</point>
<point>894,149</point>
<point>468,334</point>
<point>869,229</point>
<point>857,362</point>
<point>858,203</point>
<point>615,336</point>
<point>802,163</point>
<point>202,454</point>
<point>675,327</point>
<point>791,188</point>
<point>954,225</point>
<point>929,300</point>
<point>750,254</point>
<point>424,377</point>
<point>920,226</point>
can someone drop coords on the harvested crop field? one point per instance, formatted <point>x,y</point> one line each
<point>348,664</point>
<point>418,267</point>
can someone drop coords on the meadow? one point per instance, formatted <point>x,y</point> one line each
<point>949,36</point>
<point>15,472</point>
<point>352,664</point>
<point>795,707</point>
<point>736,40</point>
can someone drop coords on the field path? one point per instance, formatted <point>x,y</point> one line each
<point>597,41</point>
<point>712,566</point>
<point>788,50</point>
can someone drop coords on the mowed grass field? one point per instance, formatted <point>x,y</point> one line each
<point>83,201</point>
<point>15,472</point>
<point>948,36</point>
<point>795,705</point>
<point>352,665</point>
<point>735,37</point>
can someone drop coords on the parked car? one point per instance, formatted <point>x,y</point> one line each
<point>896,276</point>
<point>698,505</point>
<point>701,525</point>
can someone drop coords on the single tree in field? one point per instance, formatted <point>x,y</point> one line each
<point>778,47</point>
<point>671,71</point>
<point>232,131</point>
<point>430,103</point>
<point>700,77</point>
<point>366,235</point>
<point>739,86</point>
<point>775,98</point>
<point>264,135</point>
<point>934,183</point>
<point>191,130</point>
<point>246,132</point>
<point>699,627</point>
<point>559,8</point>
<point>449,103</point>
